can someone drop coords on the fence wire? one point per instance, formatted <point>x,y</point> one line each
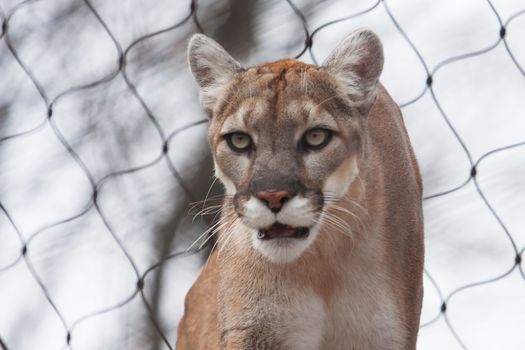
<point>120,69</point>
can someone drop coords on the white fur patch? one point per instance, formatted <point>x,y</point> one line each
<point>283,250</point>
<point>346,328</point>
<point>338,183</point>
<point>304,329</point>
<point>297,212</point>
<point>257,215</point>
<point>229,186</point>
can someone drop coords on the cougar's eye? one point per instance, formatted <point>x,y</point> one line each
<point>317,138</point>
<point>239,142</point>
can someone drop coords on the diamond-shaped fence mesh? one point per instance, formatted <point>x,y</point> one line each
<point>102,147</point>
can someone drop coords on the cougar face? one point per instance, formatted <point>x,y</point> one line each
<point>286,138</point>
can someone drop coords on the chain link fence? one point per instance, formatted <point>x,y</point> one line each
<point>102,148</point>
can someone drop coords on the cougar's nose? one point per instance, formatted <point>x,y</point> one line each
<point>274,199</point>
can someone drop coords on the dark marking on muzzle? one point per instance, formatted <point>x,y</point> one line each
<point>279,230</point>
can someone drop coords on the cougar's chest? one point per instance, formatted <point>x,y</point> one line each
<point>362,317</point>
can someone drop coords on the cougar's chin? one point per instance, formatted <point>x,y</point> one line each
<point>283,244</point>
<point>284,235</point>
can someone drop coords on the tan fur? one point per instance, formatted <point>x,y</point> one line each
<point>361,290</point>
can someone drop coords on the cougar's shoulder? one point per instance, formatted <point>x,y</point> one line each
<point>198,329</point>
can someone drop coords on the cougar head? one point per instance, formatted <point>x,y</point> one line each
<point>287,136</point>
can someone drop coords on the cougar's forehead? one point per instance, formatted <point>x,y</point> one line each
<point>280,96</point>
<point>259,116</point>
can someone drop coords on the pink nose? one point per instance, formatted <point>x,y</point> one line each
<point>274,199</point>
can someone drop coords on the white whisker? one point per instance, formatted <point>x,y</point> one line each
<point>216,225</point>
<point>219,239</point>
<point>220,227</point>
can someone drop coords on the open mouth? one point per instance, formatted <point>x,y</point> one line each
<point>279,230</point>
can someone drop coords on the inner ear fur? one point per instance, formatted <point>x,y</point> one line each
<point>357,64</point>
<point>211,66</point>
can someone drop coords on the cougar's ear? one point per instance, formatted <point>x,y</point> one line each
<point>211,66</point>
<point>357,63</point>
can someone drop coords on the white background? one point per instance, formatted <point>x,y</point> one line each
<point>83,268</point>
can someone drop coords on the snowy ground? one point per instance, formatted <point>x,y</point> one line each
<point>82,266</point>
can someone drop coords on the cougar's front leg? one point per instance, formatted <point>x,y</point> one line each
<point>254,337</point>
<point>270,318</point>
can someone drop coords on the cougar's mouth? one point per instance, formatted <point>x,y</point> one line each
<point>279,230</point>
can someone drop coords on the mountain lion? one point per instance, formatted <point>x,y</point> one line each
<point>320,240</point>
